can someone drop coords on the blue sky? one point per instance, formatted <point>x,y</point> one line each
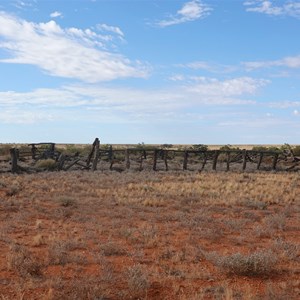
<point>168,71</point>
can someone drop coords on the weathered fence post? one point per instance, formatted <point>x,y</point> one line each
<point>52,150</point>
<point>155,159</point>
<point>227,160</point>
<point>127,159</point>
<point>61,161</point>
<point>244,159</point>
<point>261,154</point>
<point>14,160</point>
<point>33,151</point>
<point>88,161</point>
<point>204,162</point>
<point>217,153</point>
<point>275,159</point>
<point>96,154</point>
<point>166,159</point>
<point>110,153</point>
<point>185,160</point>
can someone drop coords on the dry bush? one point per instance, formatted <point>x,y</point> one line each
<point>22,261</point>
<point>258,263</point>
<point>137,279</point>
<point>276,221</point>
<point>254,204</point>
<point>58,253</point>
<point>13,190</point>
<point>112,248</point>
<point>67,201</point>
<point>290,250</point>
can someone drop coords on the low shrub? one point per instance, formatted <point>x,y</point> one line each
<point>258,263</point>
<point>137,279</point>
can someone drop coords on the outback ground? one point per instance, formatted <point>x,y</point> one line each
<point>150,235</point>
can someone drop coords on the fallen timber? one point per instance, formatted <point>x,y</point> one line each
<point>156,159</point>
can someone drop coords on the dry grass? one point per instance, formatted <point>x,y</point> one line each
<point>149,235</point>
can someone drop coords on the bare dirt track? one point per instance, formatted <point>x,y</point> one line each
<point>150,235</point>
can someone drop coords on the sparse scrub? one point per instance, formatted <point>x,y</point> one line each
<point>90,235</point>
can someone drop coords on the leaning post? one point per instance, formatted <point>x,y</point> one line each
<point>244,159</point>
<point>217,153</point>
<point>96,154</point>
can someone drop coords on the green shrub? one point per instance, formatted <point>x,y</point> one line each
<point>4,149</point>
<point>296,150</point>
<point>200,147</point>
<point>229,147</point>
<point>48,164</point>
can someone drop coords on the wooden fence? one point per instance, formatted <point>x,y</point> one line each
<point>142,158</point>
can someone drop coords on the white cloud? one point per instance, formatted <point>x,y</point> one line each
<point>296,112</point>
<point>177,77</point>
<point>284,104</point>
<point>23,4</point>
<point>210,67</point>
<point>71,52</point>
<point>190,11</point>
<point>114,29</point>
<point>227,88</point>
<point>17,116</point>
<point>287,8</point>
<point>292,62</point>
<point>56,14</point>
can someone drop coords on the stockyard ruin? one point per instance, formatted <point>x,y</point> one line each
<point>38,157</point>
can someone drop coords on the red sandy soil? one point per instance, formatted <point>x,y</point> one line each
<point>147,235</point>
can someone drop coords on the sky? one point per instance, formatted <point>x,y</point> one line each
<point>150,71</point>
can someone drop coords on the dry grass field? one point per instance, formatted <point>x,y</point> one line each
<point>150,235</point>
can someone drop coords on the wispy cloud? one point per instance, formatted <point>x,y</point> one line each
<point>273,8</point>
<point>24,4</point>
<point>60,51</point>
<point>190,11</point>
<point>227,88</point>
<point>210,67</point>
<point>56,14</point>
<point>292,62</point>
<point>127,104</point>
<point>114,29</point>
